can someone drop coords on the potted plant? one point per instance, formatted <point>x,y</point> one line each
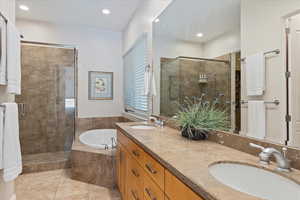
<point>197,118</point>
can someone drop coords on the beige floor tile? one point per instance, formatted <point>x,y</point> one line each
<point>57,185</point>
<point>35,195</point>
<point>75,197</point>
<point>71,188</point>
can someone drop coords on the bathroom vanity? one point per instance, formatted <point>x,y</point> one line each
<point>160,164</point>
<point>140,176</point>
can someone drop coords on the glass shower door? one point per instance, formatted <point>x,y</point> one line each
<point>47,120</point>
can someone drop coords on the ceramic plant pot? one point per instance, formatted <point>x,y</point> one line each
<point>194,134</point>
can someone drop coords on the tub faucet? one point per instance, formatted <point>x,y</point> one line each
<point>283,164</point>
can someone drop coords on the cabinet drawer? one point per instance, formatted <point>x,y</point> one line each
<point>133,149</point>
<point>135,172</point>
<point>134,192</point>
<point>136,152</point>
<point>176,190</point>
<point>154,170</point>
<point>151,190</point>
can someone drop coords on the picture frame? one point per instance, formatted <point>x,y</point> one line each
<point>101,85</point>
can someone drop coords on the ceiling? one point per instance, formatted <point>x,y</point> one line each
<point>80,12</point>
<point>213,18</point>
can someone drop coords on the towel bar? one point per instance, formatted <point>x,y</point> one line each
<point>276,51</point>
<point>276,102</point>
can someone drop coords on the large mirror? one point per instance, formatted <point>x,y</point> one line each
<point>205,52</point>
<point>197,56</point>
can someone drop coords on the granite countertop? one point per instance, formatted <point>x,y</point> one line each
<point>190,160</point>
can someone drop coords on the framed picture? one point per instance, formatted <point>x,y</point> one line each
<point>101,85</point>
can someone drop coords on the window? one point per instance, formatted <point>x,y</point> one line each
<point>135,63</point>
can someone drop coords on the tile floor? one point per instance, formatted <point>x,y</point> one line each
<point>57,185</point>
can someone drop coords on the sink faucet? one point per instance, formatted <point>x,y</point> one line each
<point>283,164</point>
<point>157,121</point>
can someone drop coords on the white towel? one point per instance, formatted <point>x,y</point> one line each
<point>256,119</point>
<point>255,74</point>
<point>147,81</point>
<point>12,159</point>
<point>2,51</point>
<point>154,93</point>
<point>1,135</point>
<point>13,59</point>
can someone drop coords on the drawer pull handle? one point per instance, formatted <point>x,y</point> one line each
<point>149,193</point>
<point>136,153</point>
<point>134,195</point>
<point>135,173</point>
<point>150,169</point>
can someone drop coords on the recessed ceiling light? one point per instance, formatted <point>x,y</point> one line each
<point>24,7</point>
<point>199,34</point>
<point>156,20</point>
<point>106,11</point>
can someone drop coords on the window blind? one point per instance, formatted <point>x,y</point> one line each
<point>135,63</point>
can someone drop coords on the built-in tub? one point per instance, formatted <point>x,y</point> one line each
<point>93,158</point>
<point>99,138</point>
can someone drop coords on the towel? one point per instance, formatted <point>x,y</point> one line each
<point>13,60</point>
<point>2,51</point>
<point>255,74</point>
<point>12,160</point>
<point>1,135</point>
<point>147,81</point>
<point>154,93</point>
<point>256,119</point>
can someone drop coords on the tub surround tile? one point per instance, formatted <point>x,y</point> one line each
<point>94,168</point>
<point>167,145</point>
<point>90,165</point>
<point>83,124</point>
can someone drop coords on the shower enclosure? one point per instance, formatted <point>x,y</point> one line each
<point>194,78</point>
<point>47,105</point>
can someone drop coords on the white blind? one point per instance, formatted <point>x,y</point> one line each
<point>135,63</point>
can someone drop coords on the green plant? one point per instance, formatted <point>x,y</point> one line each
<point>196,114</point>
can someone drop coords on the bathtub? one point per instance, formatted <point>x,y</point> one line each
<point>99,138</point>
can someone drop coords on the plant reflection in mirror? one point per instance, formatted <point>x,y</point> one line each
<point>197,117</point>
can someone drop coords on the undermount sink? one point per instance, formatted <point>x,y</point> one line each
<point>143,127</point>
<point>255,181</point>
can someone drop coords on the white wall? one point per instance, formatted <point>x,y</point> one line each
<point>7,190</point>
<point>227,43</point>
<point>97,51</point>
<point>140,24</point>
<point>262,29</point>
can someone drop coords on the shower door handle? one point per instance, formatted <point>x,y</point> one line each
<point>22,110</point>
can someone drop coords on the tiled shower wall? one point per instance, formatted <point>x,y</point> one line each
<point>48,81</point>
<point>180,79</point>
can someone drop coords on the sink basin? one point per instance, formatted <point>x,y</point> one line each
<point>143,127</point>
<point>255,181</point>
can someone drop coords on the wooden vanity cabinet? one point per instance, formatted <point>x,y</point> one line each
<point>176,190</point>
<point>141,177</point>
<point>121,169</point>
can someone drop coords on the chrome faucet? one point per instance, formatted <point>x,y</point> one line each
<point>283,164</point>
<point>157,121</point>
